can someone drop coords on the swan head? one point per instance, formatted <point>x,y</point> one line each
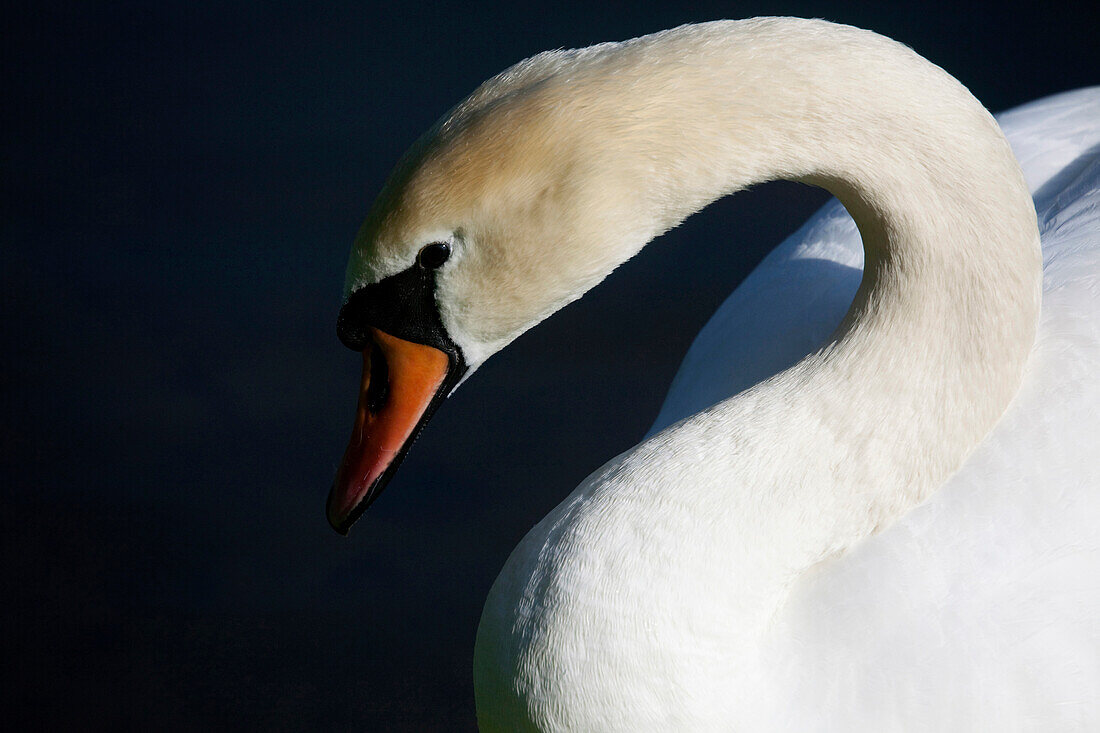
<point>503,212</point>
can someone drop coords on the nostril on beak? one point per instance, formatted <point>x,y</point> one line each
<point>379,387</point>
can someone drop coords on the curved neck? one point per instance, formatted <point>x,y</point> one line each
<point>743,497</point>
<point>934,345</point>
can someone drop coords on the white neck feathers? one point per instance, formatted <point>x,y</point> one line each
<point>689,542</point>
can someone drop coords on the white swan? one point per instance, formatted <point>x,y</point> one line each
<point>743,567</point>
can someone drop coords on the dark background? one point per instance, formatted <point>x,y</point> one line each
<point>181,184</point>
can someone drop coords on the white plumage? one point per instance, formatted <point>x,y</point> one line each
<point>794,546</point>
<point>980,609</point>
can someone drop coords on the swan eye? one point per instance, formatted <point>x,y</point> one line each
<point>433,255</point>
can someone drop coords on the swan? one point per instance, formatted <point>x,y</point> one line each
<point>869,500</point>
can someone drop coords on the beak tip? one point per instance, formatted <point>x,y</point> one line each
<point>338,521</point>
<point>340,526</point>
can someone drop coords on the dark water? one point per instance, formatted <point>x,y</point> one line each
<point>181,184</point>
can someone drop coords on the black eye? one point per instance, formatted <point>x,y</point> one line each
<point>434,255</point>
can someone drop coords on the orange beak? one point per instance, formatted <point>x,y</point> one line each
<point>402,384</point>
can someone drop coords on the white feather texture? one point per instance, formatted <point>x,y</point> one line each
<point>978,610</point>
<point>821,532</point>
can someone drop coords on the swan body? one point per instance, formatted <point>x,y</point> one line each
<point>978,609</point>
<point>830,526</point>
